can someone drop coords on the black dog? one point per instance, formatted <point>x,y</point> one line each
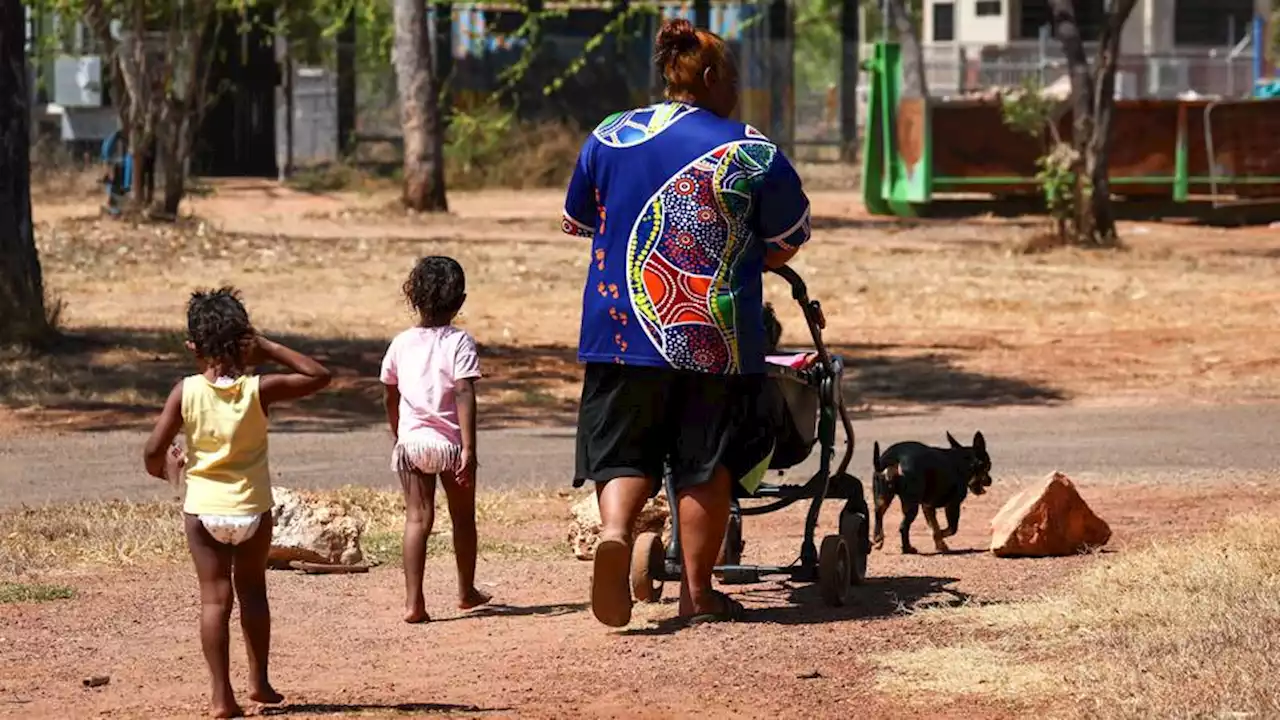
<point>931,477</point>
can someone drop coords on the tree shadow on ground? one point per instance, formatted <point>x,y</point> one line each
<point>101,379</point>
<point>887,223</point>
<point>360,708</point>
<point>1029,211</point>
<point>789,603</point>
<point>883,375</point>
<point>108,378</point>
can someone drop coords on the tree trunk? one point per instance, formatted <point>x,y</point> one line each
<point>1092,108</point>
<point>1080,231</point>
<point>914,84</point>
<point>420,118</point>
<point>1098,154</point>
<point>172,161</point>
<point>22,311</point>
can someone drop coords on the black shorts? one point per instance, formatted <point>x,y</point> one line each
<point>634,421</point>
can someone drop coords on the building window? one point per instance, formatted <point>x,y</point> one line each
<point>944,22</point>
<point>988,8</point>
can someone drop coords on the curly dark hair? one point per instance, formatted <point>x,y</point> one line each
<point>436,289</point>
<point>218,326</point>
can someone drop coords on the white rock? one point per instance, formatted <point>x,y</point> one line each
<point>584,528</point>
<point>311,529</point>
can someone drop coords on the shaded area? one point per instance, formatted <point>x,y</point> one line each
<point>411,708</point>
<point>500,610</point>
<point>1019,214</point>
<point>1029,211</point>
<point>876,598</point>
<point>881,374</point>
<point>106,379</point>
<point>791,603</point>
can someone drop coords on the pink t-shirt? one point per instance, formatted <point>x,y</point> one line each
<point>426,364</point>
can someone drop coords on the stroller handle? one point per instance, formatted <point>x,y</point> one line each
<point>817,323</point>
<point>799,292</point>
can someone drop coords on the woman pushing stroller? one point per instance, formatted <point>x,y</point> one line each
<point>686,208</point>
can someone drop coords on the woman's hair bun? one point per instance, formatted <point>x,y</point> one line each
<point>676,37</point>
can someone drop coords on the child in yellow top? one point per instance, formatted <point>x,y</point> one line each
<point>222,410</point>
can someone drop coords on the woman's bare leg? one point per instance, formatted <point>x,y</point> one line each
<point>213,562</point>
<point>621,501</point>
<point>462,513</point>
<point>704,515</point>
<point>419,517</point>
<point>250,575</point>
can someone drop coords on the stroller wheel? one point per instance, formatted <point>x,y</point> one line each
<point>835,569</point>
<point>647,561</point>
<point>853,527</point>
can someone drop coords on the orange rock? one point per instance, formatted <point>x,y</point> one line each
<point>1047,519</point>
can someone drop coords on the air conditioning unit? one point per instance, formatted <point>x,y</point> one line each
<point>1167,77</point>
<point>77,81</point>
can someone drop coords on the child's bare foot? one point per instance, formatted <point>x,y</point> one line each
<point>266,695</point>
<point>416,614</point>
<point>229,709</point>
<point>472,599</point>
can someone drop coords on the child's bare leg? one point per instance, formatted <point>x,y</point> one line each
<point>419,517</point>
<point>462,513</point>
<point>213,568</point>
<point>250,574</point>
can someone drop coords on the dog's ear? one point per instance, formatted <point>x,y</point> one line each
<point>979,442</point>
<point>955,445</point>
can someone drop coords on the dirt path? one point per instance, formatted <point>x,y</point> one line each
<point>1160,442</point>
<point>339,648</point>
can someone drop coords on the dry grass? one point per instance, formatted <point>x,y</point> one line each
<point>59,177</point>
<point>933,312</point>
<point>111,534</point>
<point>1184,630</point>
<point>962,670</point>
<point>37,541</point>
<point>928,313</point>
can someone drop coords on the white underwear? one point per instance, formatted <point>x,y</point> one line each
<point>231,529</point>
<point>429,456</point>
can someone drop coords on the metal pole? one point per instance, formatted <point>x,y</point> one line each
<point>1259,50</point>
<point>1042,46</point>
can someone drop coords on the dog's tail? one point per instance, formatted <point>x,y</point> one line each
<point>876,462</point>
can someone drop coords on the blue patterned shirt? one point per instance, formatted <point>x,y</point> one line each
<point>681,206</point>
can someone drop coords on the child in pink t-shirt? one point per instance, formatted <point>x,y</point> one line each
<point>429,373</point>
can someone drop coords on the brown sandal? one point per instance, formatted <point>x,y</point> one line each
<point>733,611</point>
<point>611,583</point>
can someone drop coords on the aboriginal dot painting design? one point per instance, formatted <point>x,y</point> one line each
<point>683,253</point>
<point>633,127</point>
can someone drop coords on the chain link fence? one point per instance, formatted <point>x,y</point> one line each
<point>959,70</point>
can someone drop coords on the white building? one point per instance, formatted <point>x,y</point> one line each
<point>1156,26</point>
<point>1170,46</point>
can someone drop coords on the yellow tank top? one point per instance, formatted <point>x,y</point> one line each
<point>226,429</point>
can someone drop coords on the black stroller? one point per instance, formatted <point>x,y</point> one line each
<point>804,407</point>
